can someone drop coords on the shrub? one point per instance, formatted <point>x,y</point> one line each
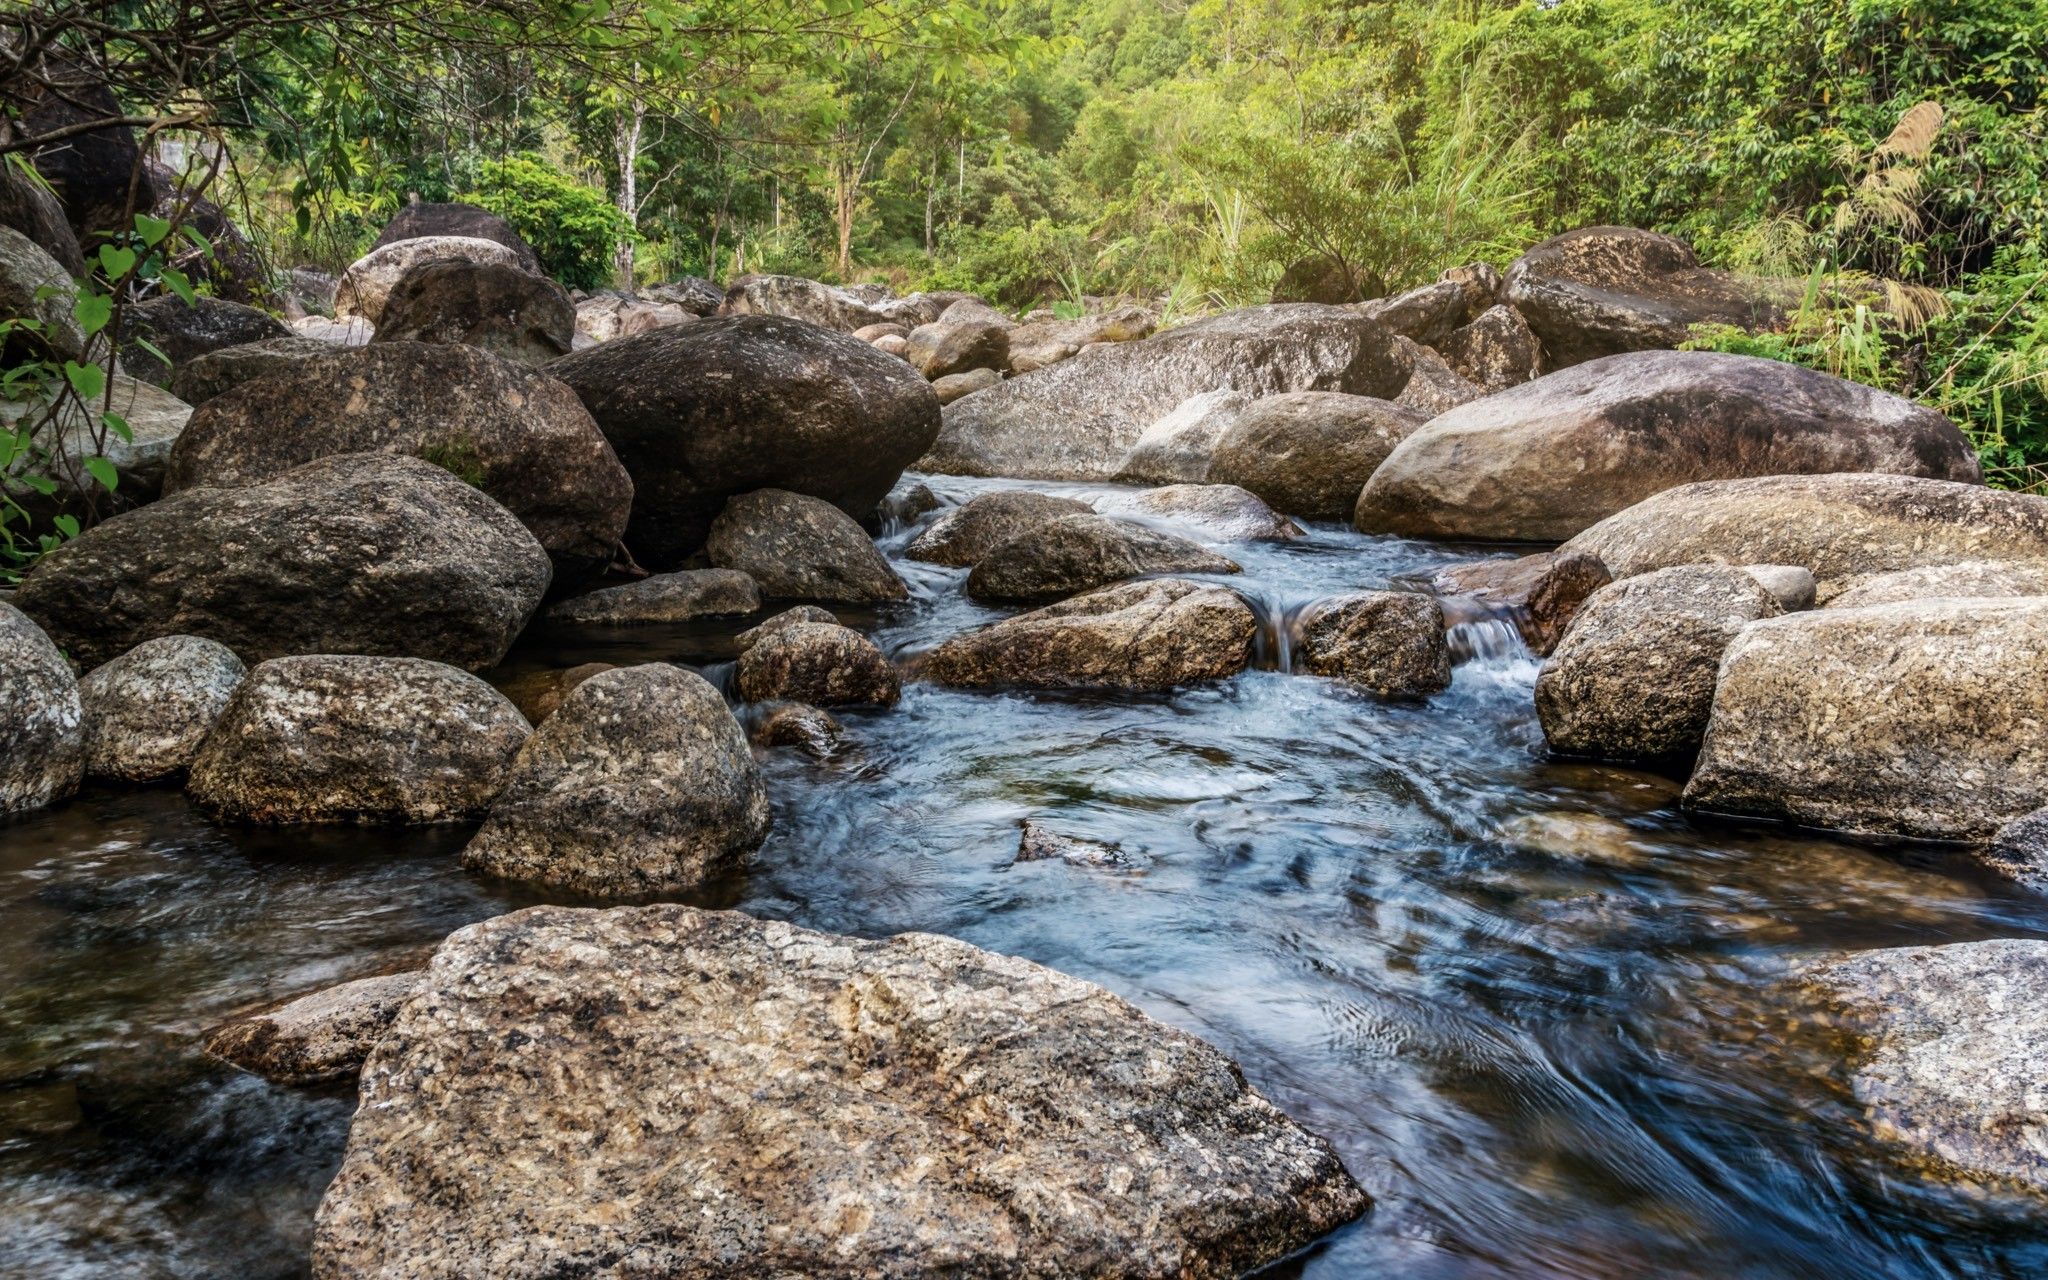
<point>573,229</point>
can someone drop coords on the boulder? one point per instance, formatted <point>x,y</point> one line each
<point>225,261</point>
<point>890,344</point>
<point>147,711</point>
<point>35,286</point>
<point>1633,678</point>
<point>969,309</point>
<point>423,220</point>
<point>639,783</point>
<point>538,694</point>
<point>370,279</point>
<point>1835,526</point>
<point>1482,283</point>
<point>218,372</point>
<point>909,1106</point>
<point>820,663</point>
<point>1152,634</point>
<point>968,532</point>
<point>1545,460</point>
<point>361,553</point>
<point>1308,453</point>
<point>697,296</point>
<point>1177,448</point>
<point>1948,1053</point>
<point>155,420</point>
<point>1077,420</point>
<point>347,738</point>
<point>350,331</point>
<point>42,723</point>
<point>1790,585</point>
<point>1541,592</point>
<point>515,433</point>
<point>28,207</point>
<point>1424,315</point>
<point>617,315</point>
<point>1963,579</point>
<point>2020,851</point>
<point>1078,553</point>
<point>490,305</point>
<point>792,724</point>
<point>702,412</point>
<point>1221,512</point>
<point>311,289</point>
<point>958,386</point>
<point>1919,719</point>
<point>796,299</point>
<point>944,348</point>
<point>91,172</point>
<point>184,331</point>
<point>1046,342</point>
<point>319,1038</point>
<point>873,332</point>
<point>1391,642</point>
<point>1600,291</point>
<point>801,548</point>
<point>1039,843</point>
<point>753,635</point>
<point>663,597</point>
<point>1496,351</point>
<point>1432,387</point>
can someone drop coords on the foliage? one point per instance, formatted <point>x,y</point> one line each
<point>573,228</point>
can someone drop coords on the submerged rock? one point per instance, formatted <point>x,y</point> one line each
<point>1545,460</point>
<point>1542,592</point>
<point>801,548</point>
<point>664,597</point>
<point>962,536</point>
<point>147,711</point>
<point>812,731</point>
<point>333,738</point>
<point>1038,843</point>
<point>1153,634</point>
<point>905,1107</point>
<point>1920,719</point>
<point>1308,453</point>
<point>358,553</point>
<point>1391,642</point>
<point>317,1038</point>
<point>820,663</point>
<point>1949,1064</point>
<point>1634,677</point>
<point>639,783</point>
<point>42,724</point>
<point>958,386</point>
<point>1081,552</point>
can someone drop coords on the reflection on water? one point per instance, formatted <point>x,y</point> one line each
<point>1537,1009</point>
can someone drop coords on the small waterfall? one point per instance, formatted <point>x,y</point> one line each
<point>1280,623</point>
<point>1493,640</point>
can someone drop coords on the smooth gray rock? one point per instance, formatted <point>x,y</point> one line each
<point>794,298</point>
<point>42,723</point>
<point>1391,642</point>
<point>318,1038</point>
<point>1078,553</point>
<point>368,282</point>
<point>1153,634</point>
<point>1223,512</point>
<point>663,597</point>
<point>1791,585</point>
<point>962,536</point>
<point>1308,453</point>
<point>1177,448</point>
<point>421,219</point>
<point>346,738</point>
<point>912,1106</point>
<point>821,663</point>
<point>801,548</point>
<point>147,711</point>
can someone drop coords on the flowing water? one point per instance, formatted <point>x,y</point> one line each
<point>1543,1014</point>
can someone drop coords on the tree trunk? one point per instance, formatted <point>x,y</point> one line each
<point>845,196</point>
<point>627,145</point>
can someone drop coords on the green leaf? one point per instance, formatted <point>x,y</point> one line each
<point>41,484</point>
<point>175,281</point>
<point>151,229</point>
<point>103,471</point>
<point>119,426</point>
<point>116,262</point>
<point>88,380</point>
<point>92,311</point>
<point>66,525</point>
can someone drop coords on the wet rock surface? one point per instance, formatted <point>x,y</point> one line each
<point>816,733</point>
<point>1308,453</point>
<point>1542,592</point>
<point>42,724</point>
<point>318,1038</point>
<point>794,298</point>
<point>2020,851</point>
<point>663,597</point>
<point>148,711</point>
<point>357,553</point>
<point>820,663</point>
<point>1391,642</point>
<point>801,548</point>
<point>332,738</point>
<point>1081,552</point>
<point>1220,511</point>
<point>1153,634</point>
<point>639,783</point>
<point>850,1140</point>
<point>1039,843</point>
<point>962,536</point>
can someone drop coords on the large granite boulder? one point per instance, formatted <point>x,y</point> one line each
<point>909,1106</point>
<point>1044,342</point>
<point>704,411</point>
<point>1633,678</point>
<point>1836,526</point>
<point>962,536</point>
<point>1152,634</point>
<point>1542,593</point>
<point>1219,512</point>
<point>42,723</point>
<point>639,783</point>
<point>1599,291</point>
<point>937,350</point>
<point>28,207</point>
<point>1948,1063</point>
<point>1081,552</point>
<point>1078,419</point>
<point>319,1038</point>
<point>1308,453</point>
<point>1961,579</point>
<point>1391,642</point>
<point>1496,351</point>
<point>1426,314</point>
<point>1433,387</point>
<point>360,553</point>
<point>494,306</point>
<point>605,316</point>
<point>695,295</point>
<point>663,597</point>
<point>368,282</point>
<point>184,331</point>
<point>801,548</point>
<point>515,433</point>
<point>1918,719</point>
<point>92,171</point>
<point>1177,448</point>
<point>346,738</point>
<point>958,386</point>
<point>1543,461</point>
<point>820,663</point>
<point>218,372</point>
<point>421,220</point>
<point>794,298</point>
<point>147,711</point>
<point>35,286</point>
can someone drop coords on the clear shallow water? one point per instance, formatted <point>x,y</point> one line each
<point>1540,1012</point>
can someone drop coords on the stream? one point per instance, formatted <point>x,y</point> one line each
<point>1543,1014</point>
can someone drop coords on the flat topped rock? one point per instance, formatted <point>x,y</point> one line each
<point>316,1038</point>
<point>1081,552</point>
<point>662,1091</point>
<point>962,536</point>
<point>1152,634</point>
<point>664,597</point>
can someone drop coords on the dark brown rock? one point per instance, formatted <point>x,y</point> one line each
<point>962,536</point>
<point>1391,642</point>
<point>367,284</point>
<point>1153,634</point>
<point>538,693</point>
<point>317,1038</point>
<point>218,372</point>
<point>815,733</point>
<point>185,331</point>
<point>1308,453</point>
<point>820,663</point>
<point>490,305</point>
<point>1496,351</point>
<point>664,597</point>
<point>27,207</point>
<point>941,349</point>
<point>1078,553</point>
<point>801,548</point>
